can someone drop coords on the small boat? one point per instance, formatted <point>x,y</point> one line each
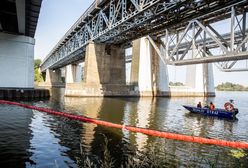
<point>216,112</point>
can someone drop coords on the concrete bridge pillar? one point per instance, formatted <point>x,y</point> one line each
<point>78,76</point>
<point>104,72</point>
<point>200,79</point>
<point>148,73</point>
<point>53,77</point>
<point>73,73</point>
<point>16,61</point>
<point>104,64</point>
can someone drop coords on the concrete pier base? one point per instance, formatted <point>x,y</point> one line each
<point>184,91</point>
<point>84,90</point>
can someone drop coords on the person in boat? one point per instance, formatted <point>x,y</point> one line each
<point>234,109</point>
<point>232,102</point>
<point>199,105</point>
<point>211,106</point>
<point>229,106</point>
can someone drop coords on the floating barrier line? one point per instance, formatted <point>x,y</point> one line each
<point>161,134</point>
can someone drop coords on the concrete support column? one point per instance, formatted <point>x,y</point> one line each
<point>209,80</point>
<point>78,76</point>
<point>73,73</point>
<point>104,64</point>
<point>93,54</point>
<point>148,71</point>
<point>145,68</point>
<point>16,61</point>
<point>134,77</point>
<point>53,77</point>
<point>200,79</point>
<point>117,65</point>
<point>104,72</point>
<point>160,75</point>
<point>70,73</point>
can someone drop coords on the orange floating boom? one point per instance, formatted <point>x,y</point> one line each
<point>161,134</point>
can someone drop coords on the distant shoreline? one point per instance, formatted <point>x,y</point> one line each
<point>231,90</point>
<point>231,87</point>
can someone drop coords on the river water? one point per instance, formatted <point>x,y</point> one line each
<point>29,138</point>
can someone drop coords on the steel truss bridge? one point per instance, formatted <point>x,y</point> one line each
<point>181,31</point>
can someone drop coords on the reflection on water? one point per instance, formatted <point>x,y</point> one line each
<point>30,138</point>
<point>45,143</point>
<point>15,136</point>
<point>89,108</point>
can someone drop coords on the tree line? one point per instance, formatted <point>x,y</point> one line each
<point>228,86</point>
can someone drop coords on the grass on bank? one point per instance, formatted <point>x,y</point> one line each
<point>154,158</point>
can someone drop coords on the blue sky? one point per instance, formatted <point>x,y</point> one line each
<point>57,16</point>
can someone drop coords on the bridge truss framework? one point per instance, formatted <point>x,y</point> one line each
<point>185,30</point>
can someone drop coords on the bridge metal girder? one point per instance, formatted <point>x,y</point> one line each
<point>202,43</point>
<point>121,21</point>
<point>106,25</point>
<point>19,16</point>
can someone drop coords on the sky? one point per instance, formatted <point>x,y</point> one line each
<point>57,16</point>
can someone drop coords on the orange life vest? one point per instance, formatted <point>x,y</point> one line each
<point>212,107</point>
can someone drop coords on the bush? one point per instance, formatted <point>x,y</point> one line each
<point>37,75</point>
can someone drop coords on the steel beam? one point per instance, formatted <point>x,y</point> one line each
<point>232,28</point>
<point>20,10</point>
<point>235,70</point>
<point>220,58</point>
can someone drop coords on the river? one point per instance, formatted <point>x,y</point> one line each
<point>29,138</point>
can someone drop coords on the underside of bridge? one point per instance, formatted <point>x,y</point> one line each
<point>161,33</point>
<point>18,21</point>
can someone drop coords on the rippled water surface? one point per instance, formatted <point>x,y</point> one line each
<point>29,138</point>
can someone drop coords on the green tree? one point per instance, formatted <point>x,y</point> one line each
<point>37,63</point>
<point>176,84</point>
<point>37,75</point>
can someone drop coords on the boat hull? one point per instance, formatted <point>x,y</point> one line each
<point>217,112</point>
